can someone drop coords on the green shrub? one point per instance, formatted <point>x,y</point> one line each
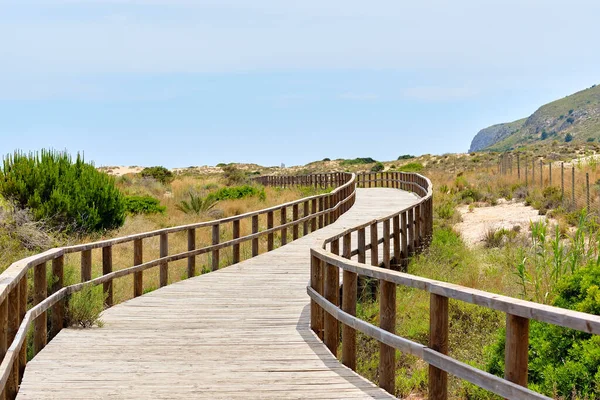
<point>197,204</point>
<point>568,137</point>
<point>358,161</point>
<point>412,167</point>
<point>563,361</point>
<point>239,192</point>
<point>159,173</point>
<point>590,139</point>
<point>405,157</point>
<point>143,205</point>
<point>85,306</point>
<point>378,167</point>
<point>233,175</point>
<point>72,196</point>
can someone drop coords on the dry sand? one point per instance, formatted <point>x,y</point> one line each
<point>506,215</point>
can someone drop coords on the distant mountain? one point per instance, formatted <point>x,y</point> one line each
<point>577,115</point>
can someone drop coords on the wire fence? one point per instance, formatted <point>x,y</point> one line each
<point>578,183</point>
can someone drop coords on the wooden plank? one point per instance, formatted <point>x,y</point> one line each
<point>236,247</point>
<point>13,327</point>
<point>270,238</point>
<point>284,230</point>
<point>86,265</point>
<point>517,349</point>
<point>255,231</point>
<point>295,228</point>
<point>215,240</point>
<point>438,342</point>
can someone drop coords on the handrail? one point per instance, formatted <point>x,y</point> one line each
<point>408,230</point>
<point>317,211</point>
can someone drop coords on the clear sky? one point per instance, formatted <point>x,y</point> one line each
<point>195,82</point>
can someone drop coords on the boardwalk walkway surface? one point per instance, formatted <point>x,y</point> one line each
<point>238,333</point>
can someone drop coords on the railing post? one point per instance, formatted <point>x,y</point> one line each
<point>40,289</point>
<point>418,225</point>
<point>13,326</point>
<point>387,319</point>
<point>321,208</point>
<point>349,293</point>
<point>361,246</point>
<point>215,253</point>
<point>313,222</point>
<point>22,311</point>
<point>327,216</point>
<point>191,260</point>
<point>404,240</point>
<point>316,282</point>
<point>236,247</point>
<point>86,265</point>
<point>332,294</point>
<point>283,222</point>
<point>438,341</point>
<point>396,238</point>
<point>516,350</point>
<point>254,231</point>
<point>57,319</point>
<point>306,212</point>
<point>138,258</point>
<point>270,236</point>
<point>374,245</point>
<point>3,334</point>
<point>386,244</point>
<point>411,232</point>
<point>164,266</point>
<point>295,228</point>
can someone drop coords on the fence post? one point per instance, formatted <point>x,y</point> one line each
<point>215,253</point>
<point>22,311</point>
<point>270,242</point>
<point>332,294</point>
<point>164,266</point>
<point>438,341</point>
<point>236,235</point>
<point>587,190</point>
<point>58,310</point>
<point>295,228</point>
<point>254,231</point>
<point>138,258</point>
<point>374,248</point>
<point>191,245</point>
<point>387,312</point>
<point>40,290</point>
<point>349,294</point>
<point>313,222</point>
<point>404,240</point>
<point>396,236</point>
<point>562,182</point>
<point>361,246</point>
<point>13,327</point>
<point>107,268</point>
<point>86,265</point>
<point>573,185</point>
<point>316,282</point>
<point>517,347</point>
<point>283,220</point>
<point>304,214</point>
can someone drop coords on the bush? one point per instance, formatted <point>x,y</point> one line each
<point>84,307</point>
<point>378,167</point>
<point>568,138</point>
<point>71,196</point>
<point>358,161</point>
<point>238,192</point>
<point>159,173</point>
<point>233,175</point>
<point>197,204</point>
<point>405,157</point>
<point>143,205</point>
<point>563,361</point>
<point>590,139</point>
<point>327,159</point>
<point>412,167</point>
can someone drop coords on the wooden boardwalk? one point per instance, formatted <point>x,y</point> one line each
<point>237,333</point>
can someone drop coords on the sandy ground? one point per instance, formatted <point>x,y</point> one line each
<point>504,215</point>
<point>121,170</point>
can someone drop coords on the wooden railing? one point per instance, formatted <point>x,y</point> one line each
<point>307,215</point>
<point>412,227</point>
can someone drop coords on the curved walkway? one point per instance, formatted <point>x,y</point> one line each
<point>238,333</point>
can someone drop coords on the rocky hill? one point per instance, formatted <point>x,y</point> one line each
<point>575,117</point>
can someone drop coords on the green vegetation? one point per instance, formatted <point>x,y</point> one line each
<point>233,175</point>
<point>378,167</point>
<point>69,196</point>
<point>84,307</point>
<point>238,192</point>
<point>411,167</point>
<point>358,161</point>
<point>159,173</point>
<point>143,205</point>
<point>568,137</point>
<point>572,115</point>
<point>406,157</point>
<point>197,204</point>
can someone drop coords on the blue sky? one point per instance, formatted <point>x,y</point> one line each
<point>182,82</point>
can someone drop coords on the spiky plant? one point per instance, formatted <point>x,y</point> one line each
<point>197,204</point>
